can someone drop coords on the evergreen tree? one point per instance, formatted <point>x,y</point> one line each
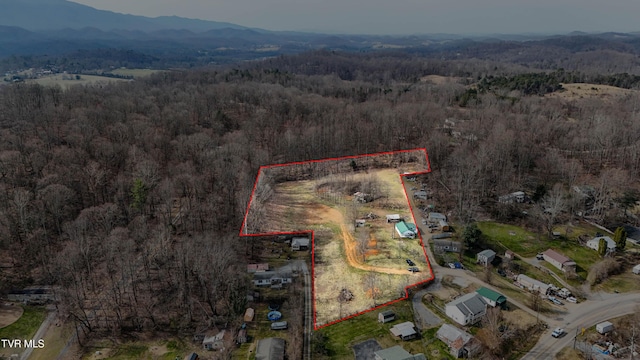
<point>602,247</point>
<point>620,237</point>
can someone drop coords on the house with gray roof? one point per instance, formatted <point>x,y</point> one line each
<point>270,349</point>
<point>397,353</point>
<point>460,343</point>
<point>485,257</point>
<point>405,331</point>
<point>467,309</point>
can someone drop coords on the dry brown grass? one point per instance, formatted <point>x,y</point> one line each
<point>578,91</point>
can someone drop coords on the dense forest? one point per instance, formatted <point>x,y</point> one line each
<point>130,196</point>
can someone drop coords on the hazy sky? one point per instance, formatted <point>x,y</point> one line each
<point>399,16</point>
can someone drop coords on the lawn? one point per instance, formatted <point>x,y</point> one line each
<point>343,335</point>
<point>26,326</point>
<point>625,282</point>
<point>518,240</point>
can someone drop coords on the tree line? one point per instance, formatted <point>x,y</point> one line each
<point>130,196</point>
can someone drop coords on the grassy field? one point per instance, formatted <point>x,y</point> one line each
<point>136,73</point>
<point>55,340</point>
<point>299,205</point>
<point>625,282</point>
<point>518,240</point>
<point>57,80</point>
<point>26,326</point>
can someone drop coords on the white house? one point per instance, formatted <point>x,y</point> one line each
<point>467,309</point>
<point>275,279</point>
<point>595,243</point>
<point>558,260</point>
<point>533,284</point>
<point>485,257</point>
<point>300,243</point>
<point>394,218</point>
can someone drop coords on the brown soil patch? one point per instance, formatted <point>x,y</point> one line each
<point>9,314</point>
<point>373,292</point>
<point>352,255</point>
<point>158,350</point>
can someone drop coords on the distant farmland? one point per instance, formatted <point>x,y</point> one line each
<point>66,81</point>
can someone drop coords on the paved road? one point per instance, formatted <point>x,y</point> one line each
<point>584,315</point>
<point>308,308</point>
<point>39,334</point>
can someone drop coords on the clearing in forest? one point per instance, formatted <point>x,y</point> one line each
<point>360,256</point>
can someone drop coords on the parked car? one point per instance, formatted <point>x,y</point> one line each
<point>571,299</point>
<point>554,300</point>
<point>413,269</point>
<point>540,257</point>
<point>458,265</point>
<point>452,265</point>
<point>557,332</point>
<point>410,263</point>
<point>502,273</point>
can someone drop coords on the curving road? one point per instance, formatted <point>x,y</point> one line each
<point>584,315</point>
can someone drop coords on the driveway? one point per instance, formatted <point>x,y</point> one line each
<point>424,318</point>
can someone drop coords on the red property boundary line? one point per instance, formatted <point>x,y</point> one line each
<point>313,294</point>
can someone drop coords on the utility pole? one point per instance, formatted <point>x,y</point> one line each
<point>575,339</point>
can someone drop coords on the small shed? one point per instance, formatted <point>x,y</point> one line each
<point>248,315</point>
<point>215,342</point>
<point>636,269</point>
<point>604,327</point>
<point>360,222</point>
<point>300,243</point>
<point>485,257</point>
<point>394,218</point>
<point>242,336</point>
<point>386,316</point>
<point>405,331</point>
<point>444,226</point>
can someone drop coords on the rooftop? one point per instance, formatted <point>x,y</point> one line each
<point>491,295</point>
<point>471,303</point>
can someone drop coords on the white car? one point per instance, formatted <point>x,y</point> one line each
<point>557,332</point>
<point>452,265</point>
<point>571,299</point>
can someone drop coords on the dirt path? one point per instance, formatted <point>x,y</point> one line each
<point>9,314</point>
<point>352,255</point>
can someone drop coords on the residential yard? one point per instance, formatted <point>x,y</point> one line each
<point>24,328</point>
<point>343,335</point>
<point>27,325</point>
